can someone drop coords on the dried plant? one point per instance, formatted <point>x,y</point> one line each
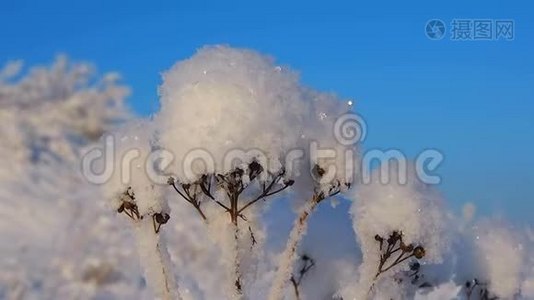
<point>395,244</point>
<point>234,185</point>
<point>306,264</point>
<point>298,230</point>
<point>159,219</point>
<point>128,205</point>
<point>483,293</point>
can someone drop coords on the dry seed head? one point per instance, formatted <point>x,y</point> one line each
<point>419,252</point>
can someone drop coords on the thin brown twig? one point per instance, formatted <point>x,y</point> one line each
<point>307,264</point>
<point>187,197</point>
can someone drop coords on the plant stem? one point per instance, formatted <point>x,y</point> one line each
<point>289,256</point>
<point>155,260</point>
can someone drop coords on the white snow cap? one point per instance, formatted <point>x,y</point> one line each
<point>406,206</point>
<point>223,102</point>
<point>500,252</point>
<point>133,169</point>
<point>410,207</point>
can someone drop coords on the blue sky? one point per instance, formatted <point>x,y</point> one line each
<point>472,100</point>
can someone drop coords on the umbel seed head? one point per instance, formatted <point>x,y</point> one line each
<point>419,252</point>
<point>255,168</point>
<point>318,171</point>
<point>289,182</point>
<point>406,248</point>
<point>162,218</point>
<point>393,238</point>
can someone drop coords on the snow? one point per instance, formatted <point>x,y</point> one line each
<point>131,183</point>
<point>134,145</point>
<point>290,255</point>
<point>493,242</point>
<point>226,107</point>
<point>156,262</point>
<point>223,103</point>
<point>445,291</point>
<point>225,99</point>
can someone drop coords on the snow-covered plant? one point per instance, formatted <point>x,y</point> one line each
<point>494,263</point>
<point>288,257</point>
<point>306,264</point>
<point>241,116</point>
<point>231,120</point>
<point>133,193</point>
<point>396,220</point>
